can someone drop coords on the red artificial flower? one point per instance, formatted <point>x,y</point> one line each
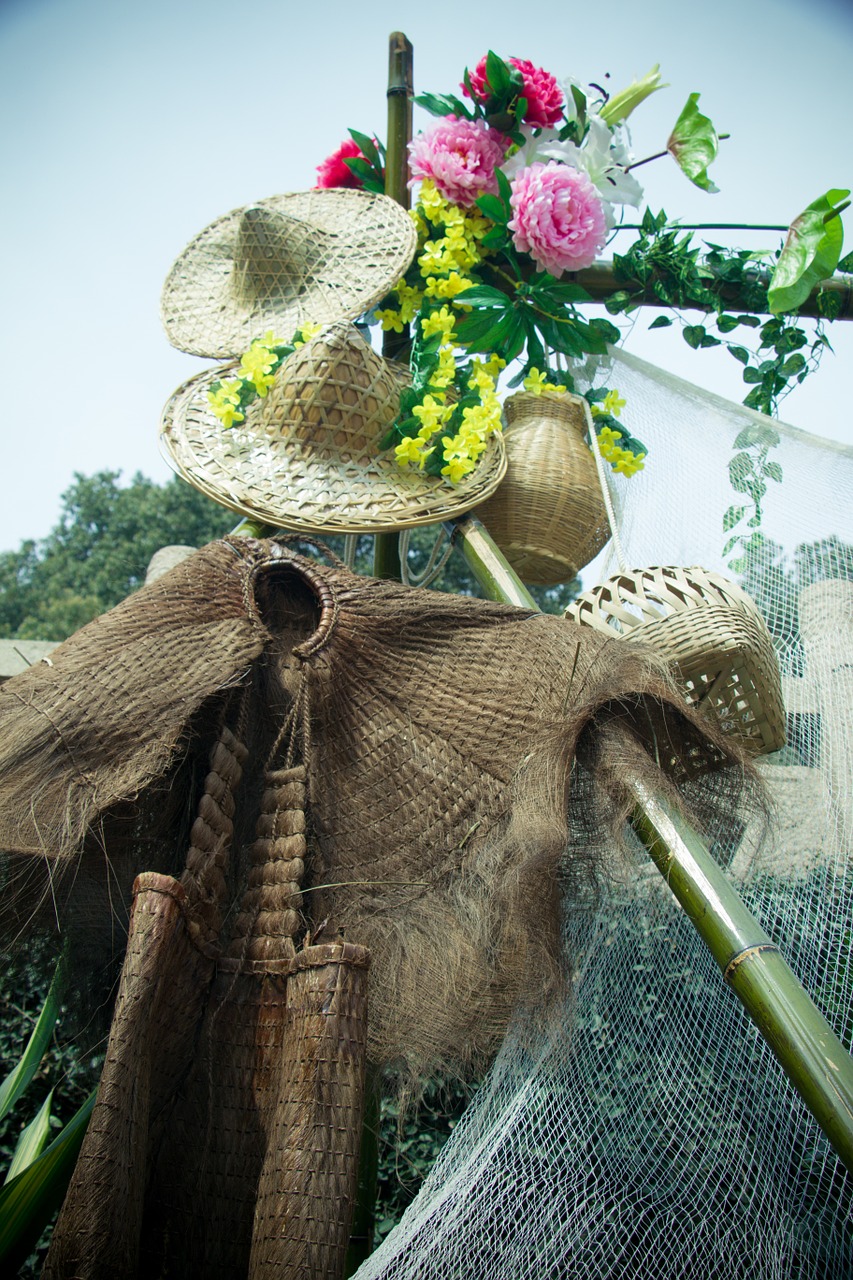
<point>544,96</point>
<point>334,173</point>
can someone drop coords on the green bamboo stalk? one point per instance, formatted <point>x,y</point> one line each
<point>487,563</point>
<point>812,1056</point>
<point>386,546</point>
<point>809,1052</point>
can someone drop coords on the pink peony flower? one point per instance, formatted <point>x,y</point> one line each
<point>544,96</point>
<point>460,156</point>
<point>334,173</point>
<point>558,217</point>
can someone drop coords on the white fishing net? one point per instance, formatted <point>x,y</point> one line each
<point>658,1137</point>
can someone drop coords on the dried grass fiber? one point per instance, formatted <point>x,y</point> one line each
<point>462,762</point>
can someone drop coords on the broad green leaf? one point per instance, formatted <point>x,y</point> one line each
<point>32,1140</point>
<point>693,144</point>
<point>566,292</point>
<point>739,353</point>
<point>21,1075</point>
<point>483,295</point>
<point>493,208</point>
<point>29,1200</point>
<point>662,322</point>
<point>731,518</point>
<point>810,253</point>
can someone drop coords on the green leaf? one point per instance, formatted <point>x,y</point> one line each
<point>810,253</point>
<point>845,264</point>
<point>484,295</point>
<point>21,1075</point>
<point>725,324</point>
<point>774,471</point>
<point>739,353</point>
<point>367,145</point>
<point>28,1201</point>
<point>566,292</point>
<point>793,365</point>
<point>752,375</point>
<point>504,188</point>
<point>731,518</point>
<point>693,144</point>
<point>662,322</point>
<point>443,105</point>
<point>497,74</point>
<point>694,335</point>
<point>493,208</point>
<point>31,1141</point>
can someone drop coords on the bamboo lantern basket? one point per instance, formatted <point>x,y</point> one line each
<point>547,515</point>
<point>713,635</point>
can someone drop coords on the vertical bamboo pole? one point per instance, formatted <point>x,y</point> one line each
<point>804,1044</point>
<point>386,546</point>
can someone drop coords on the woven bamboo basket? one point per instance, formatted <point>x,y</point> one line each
<point>547,516</point>
<point>713,635</point>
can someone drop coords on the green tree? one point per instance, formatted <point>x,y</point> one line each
<point>99,551</point>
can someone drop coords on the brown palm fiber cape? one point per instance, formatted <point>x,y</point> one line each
<point>309,772</point>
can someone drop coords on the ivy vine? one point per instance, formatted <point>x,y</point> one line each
<point>684,275</point>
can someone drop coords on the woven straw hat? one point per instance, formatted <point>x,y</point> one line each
<point>305,458</point>
<point>311,255</point>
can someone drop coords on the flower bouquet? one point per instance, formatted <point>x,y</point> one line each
<point>518,187</point>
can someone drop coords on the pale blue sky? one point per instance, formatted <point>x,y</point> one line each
<point>129,128</point>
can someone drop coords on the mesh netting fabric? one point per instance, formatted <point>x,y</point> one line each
<point>657,1137</point>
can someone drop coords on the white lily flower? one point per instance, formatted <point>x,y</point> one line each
<point>600,157</point>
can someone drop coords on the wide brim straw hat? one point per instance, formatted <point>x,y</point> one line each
<point>306,456</point>
<point>315,256</point>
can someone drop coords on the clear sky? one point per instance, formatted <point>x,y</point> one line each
<point>127,128</point>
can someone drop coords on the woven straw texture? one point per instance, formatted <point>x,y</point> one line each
<point>548,517</point>
<point>288,752</point>
<point>312,256</point>
<point>306,457</point>
<point>713,635</point>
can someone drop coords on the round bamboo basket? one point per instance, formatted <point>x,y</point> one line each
<point>713,635</point>
<point>547,516</point>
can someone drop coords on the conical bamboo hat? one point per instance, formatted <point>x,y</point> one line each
<point>306,456</point>
<point>315,256</point>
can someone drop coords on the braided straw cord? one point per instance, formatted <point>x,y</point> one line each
<point>710,631</point>
<point>210,838</point>
<point>308,1184</point>
<point>269,916</point>
<point>547,516</point>
<point>306,457</point>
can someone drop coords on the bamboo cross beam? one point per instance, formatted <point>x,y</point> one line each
<point>601,283</point>
<point>804,1044</point>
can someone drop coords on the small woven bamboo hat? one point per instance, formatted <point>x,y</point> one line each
<point>711,632</point>
<point>305,458</point>
<point>320,255</point>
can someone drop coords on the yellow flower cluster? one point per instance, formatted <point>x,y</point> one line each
<point>479,421</point>
<point>612,404</point>
<point>537,383</point>
<point>443,261</point>
<point>621,460</point>
<point>255,375</point>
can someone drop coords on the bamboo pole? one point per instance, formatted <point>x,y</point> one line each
<point>386,546</point>
<point>809,1052</point>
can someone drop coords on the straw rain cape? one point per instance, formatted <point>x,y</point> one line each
<point>309,773</point>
